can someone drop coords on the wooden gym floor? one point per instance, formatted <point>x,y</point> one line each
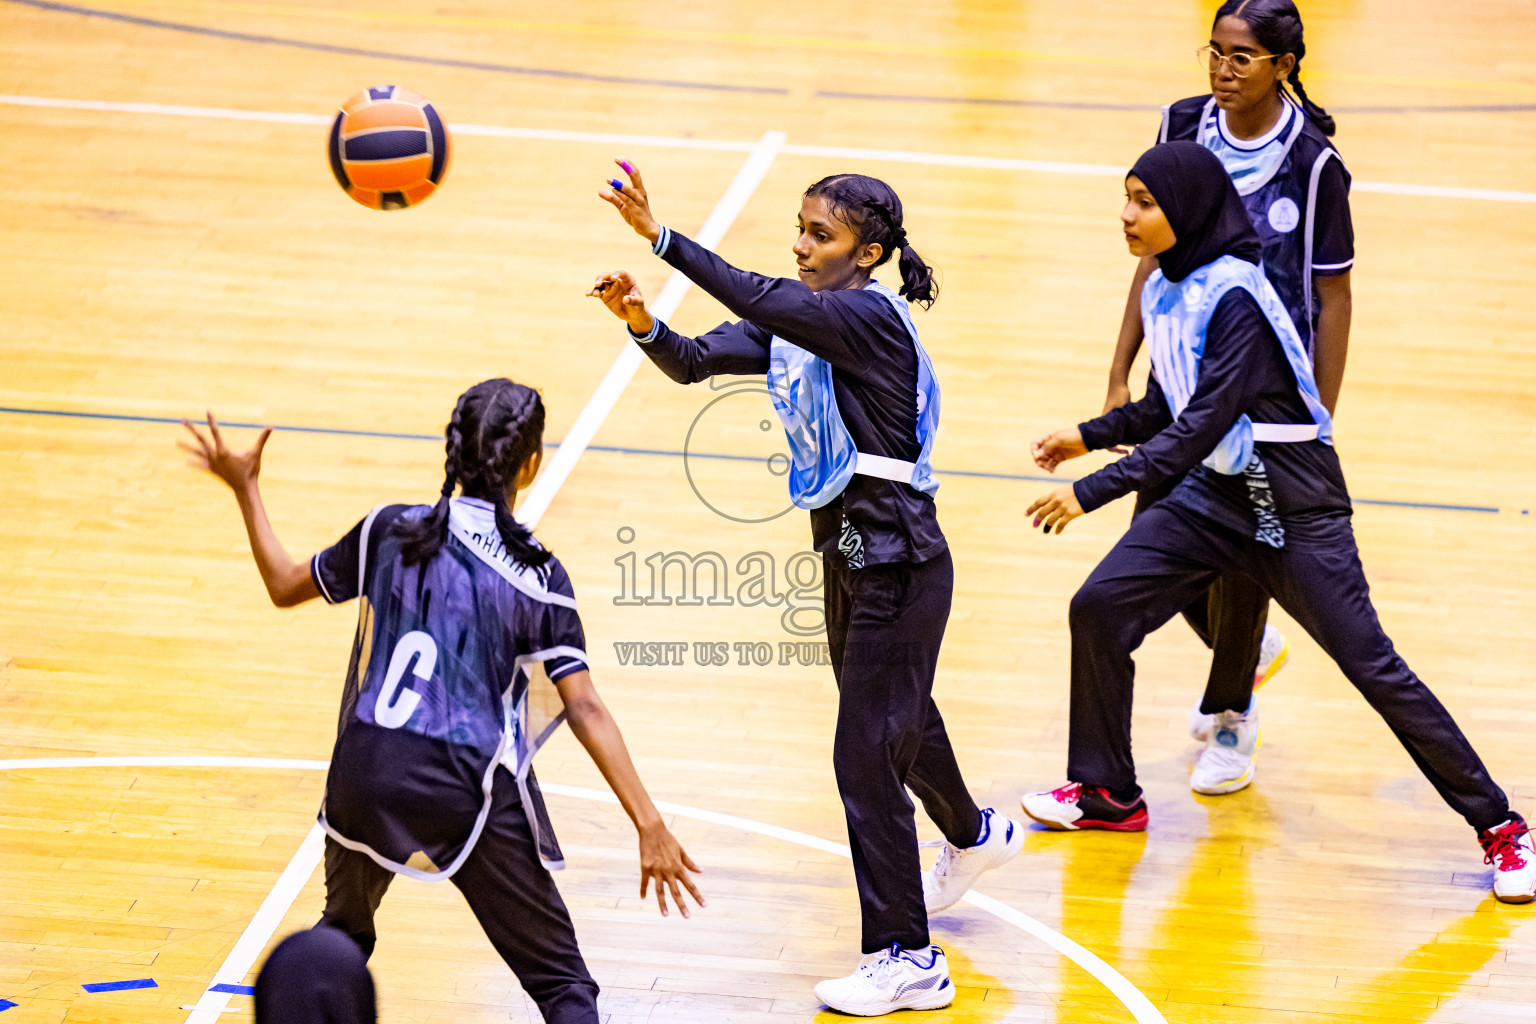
<point>160,255</point>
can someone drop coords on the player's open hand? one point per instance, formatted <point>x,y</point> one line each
<point>619,292</point>
<point>1057,447</point>
<point>663,859</point>
<point>1055,510</point>
<point>237,469</point>
<point>632,202</point>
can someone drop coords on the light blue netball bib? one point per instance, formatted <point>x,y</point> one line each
<point>823,456</point>
<point>1175,318</point>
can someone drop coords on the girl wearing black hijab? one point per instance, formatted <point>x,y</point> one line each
<point>1232,405</point>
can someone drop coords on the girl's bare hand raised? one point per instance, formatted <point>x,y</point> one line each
<point>1057,447</point>
<point>619,292</point>
<point>237,469</point>
<point>662,858</point>
<point>1056,509</point>
<point>632,202</point>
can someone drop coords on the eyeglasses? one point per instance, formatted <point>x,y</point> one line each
<point>1240,63</point>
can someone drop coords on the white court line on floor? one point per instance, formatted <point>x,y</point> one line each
<point>259,932</point>
<point>739,146</point>
<point>623,368</point>
<point>1130,996</point>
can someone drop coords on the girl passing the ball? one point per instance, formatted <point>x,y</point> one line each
<point>469,653</point>
<point>1274,143</point>
<point>1232,409</point>
<point>860,406</point>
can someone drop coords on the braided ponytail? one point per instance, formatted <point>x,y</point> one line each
<point>496,427</point>
<point>1276,24</point>
<point>873,210</point>
<point>421,538</point>
<point>520,434</point>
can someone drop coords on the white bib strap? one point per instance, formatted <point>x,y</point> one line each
<point>884,468</point>
<point>1285,433</point>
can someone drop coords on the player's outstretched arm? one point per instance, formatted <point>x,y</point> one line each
<point>662,858</point>
<point>288,582</point>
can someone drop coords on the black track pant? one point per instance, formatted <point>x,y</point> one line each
<point>1229,618</point>
<point>1167,558</point>
<point>512,895</point>
<point>884,627</point>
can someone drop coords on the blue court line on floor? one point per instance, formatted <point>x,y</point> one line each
<point>411,58</point>
<point>235,990</point>
<point>119,986</point>
<point>5,1004</point>
<point>669,453</point>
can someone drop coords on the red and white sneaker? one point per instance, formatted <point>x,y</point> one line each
<point>1512,852</point>
<point>1076,806</point>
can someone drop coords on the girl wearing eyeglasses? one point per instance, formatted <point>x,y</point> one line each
<point>1274,143</point>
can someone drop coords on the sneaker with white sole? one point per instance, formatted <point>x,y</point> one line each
<point>1076,806</point>
<point>958,868</point>
<point>1511,851</point>
<point>890,980</point>
<point>1229,759</point>
<point>1274,652</point>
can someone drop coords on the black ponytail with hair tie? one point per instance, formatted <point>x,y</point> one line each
<point>873,210</point>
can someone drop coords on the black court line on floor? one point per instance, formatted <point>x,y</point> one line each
<point>657,452</point>
<point>410,58</point>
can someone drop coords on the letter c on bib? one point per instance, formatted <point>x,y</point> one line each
<point>387,710</point>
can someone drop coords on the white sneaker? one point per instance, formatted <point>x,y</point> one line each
<point>1510,850</point>
<point>1227,764</point>
<point>957,869</point>
<point>892,979</point>
<point>1274,652</point>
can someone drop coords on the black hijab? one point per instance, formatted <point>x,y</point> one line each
<point>1197,196</point>
<point>316,977</point>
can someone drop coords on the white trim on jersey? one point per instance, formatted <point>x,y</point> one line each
<point>1333,266</point>
<point>362,549</point>
<point>469,844</point>
<point>314,572</point>
<point>1210,117</point>
<point>1309,237</point>
<point>479,538</point>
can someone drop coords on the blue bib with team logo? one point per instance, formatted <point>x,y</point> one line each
<point>823,455</point>
<point>1175,317</point>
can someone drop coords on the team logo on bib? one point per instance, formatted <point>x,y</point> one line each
<point>1283,215</point>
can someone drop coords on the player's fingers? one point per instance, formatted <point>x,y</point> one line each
<point>661,898</point>
<point>677,897</point>
<point>201,443</point>
<point>689,864</point>
<point>261,441</point>
<point>693,890</point>
<point>1035,505</point>
<point>213,428</point>
<point>634,175</point>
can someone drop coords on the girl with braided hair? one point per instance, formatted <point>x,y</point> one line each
<point>1273,141</point>
<point>469,654</point>
<point>859,403</point>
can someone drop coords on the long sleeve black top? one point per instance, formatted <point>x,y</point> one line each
<point>874,379</point>
<point>1243,370</point>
